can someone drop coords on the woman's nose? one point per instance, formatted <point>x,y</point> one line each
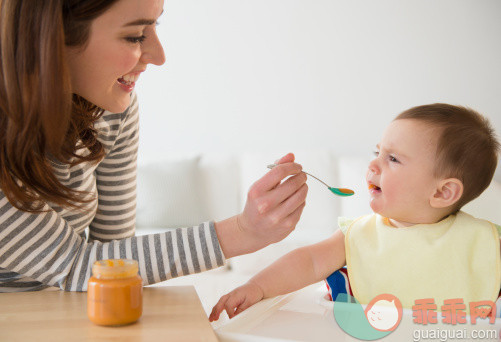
<point>153,52</point>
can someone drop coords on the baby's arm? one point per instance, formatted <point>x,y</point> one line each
<point>295,270</point>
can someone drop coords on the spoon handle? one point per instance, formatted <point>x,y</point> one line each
<point>271,166</point>
<point>317,179</point>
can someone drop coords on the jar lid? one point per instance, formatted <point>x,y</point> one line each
<point>115,268</point>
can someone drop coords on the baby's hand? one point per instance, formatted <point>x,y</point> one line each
<point>237,301</point>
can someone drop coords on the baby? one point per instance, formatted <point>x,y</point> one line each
<point>431,161</point>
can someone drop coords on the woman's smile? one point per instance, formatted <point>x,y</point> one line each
<point>128,81</point>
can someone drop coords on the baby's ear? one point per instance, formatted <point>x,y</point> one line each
<point>448,192</point>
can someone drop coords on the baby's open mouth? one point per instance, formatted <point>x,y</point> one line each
<point>374,187</point>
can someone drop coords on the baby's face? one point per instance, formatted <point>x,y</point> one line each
<point>401,178</point>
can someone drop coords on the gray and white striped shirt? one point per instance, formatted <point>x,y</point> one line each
<point>50,249</point>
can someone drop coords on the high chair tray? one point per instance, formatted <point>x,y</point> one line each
<point>306,316</point>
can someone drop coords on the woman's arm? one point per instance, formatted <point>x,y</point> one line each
<point>48,248</point>
<point>43,249</point>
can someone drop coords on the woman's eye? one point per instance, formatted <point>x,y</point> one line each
<point>136,40</point>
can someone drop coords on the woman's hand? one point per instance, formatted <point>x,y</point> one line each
<point>271,212</point>
<point>237,301</point>
<point>273,207</point>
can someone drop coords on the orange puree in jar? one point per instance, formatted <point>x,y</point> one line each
<point>115,292</point>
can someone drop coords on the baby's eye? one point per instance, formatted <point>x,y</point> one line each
<point>136,40</point>
<point>393,159</point>
<point>376,153</point>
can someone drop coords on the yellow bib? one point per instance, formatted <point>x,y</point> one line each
<point>457,257</point>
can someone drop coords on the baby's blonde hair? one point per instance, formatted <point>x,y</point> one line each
<point>467,147</point>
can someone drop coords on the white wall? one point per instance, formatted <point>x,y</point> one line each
<point>245,75</point>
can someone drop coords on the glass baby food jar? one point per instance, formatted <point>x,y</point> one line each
<point>115,292</point>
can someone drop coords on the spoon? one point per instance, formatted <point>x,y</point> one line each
<point>337,191</point>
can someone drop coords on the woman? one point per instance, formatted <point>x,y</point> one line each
<point>68,162</point>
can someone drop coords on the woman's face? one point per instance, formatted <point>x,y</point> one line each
<point>122,42</point>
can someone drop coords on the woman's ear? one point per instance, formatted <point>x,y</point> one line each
<point>448,192</point>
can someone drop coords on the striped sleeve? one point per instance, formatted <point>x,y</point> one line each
<point>42,249</point>
<point>160,256</point>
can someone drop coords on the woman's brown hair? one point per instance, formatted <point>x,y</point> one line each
<point>467,147</point>
<point>41,121</point>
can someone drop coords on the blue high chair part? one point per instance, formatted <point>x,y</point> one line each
<point>337,283</point>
